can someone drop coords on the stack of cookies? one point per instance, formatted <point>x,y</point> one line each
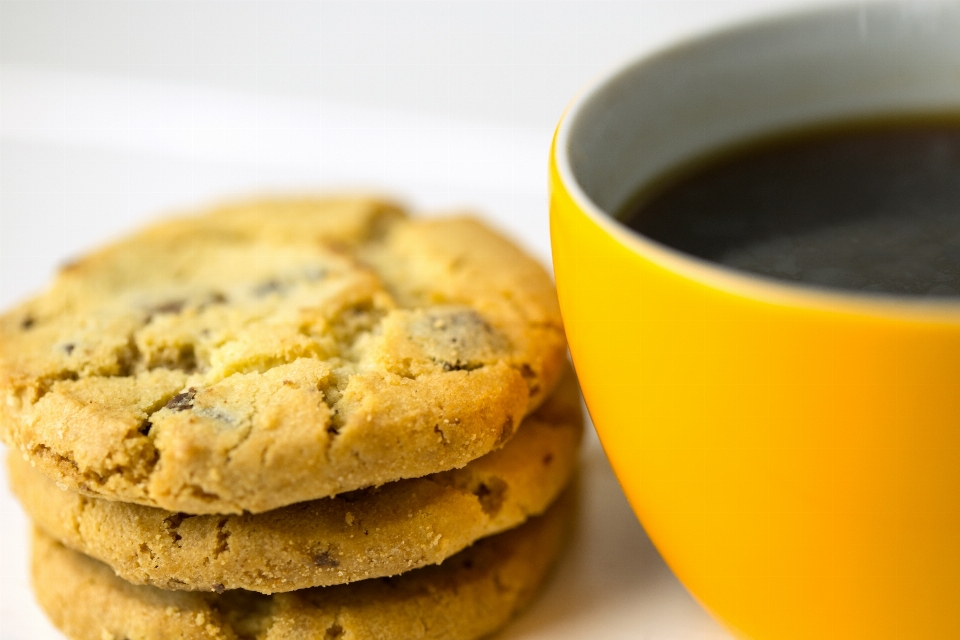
<point>292,419</point>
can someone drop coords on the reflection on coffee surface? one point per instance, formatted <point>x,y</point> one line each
<point>869,206</point>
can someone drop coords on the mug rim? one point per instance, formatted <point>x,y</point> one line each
<point>715,275</point>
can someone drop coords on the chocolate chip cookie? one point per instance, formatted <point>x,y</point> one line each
<point>363,534</point>
<point>278,351</point>
<point>469,596</point>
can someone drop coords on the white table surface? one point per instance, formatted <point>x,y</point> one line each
<point>447,106</point>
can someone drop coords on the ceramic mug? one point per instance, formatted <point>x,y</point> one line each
<point>794,453</point>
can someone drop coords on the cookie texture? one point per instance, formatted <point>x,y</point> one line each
<point>278,351</point>
<point>469,596</point>
<point>364,534</point>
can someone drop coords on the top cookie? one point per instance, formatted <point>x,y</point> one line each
<point>278,351</point>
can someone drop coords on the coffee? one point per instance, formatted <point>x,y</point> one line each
<point>873,206</point>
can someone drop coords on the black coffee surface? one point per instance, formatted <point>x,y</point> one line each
<point>873,207</point>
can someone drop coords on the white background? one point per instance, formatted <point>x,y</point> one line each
<point>112,113</point>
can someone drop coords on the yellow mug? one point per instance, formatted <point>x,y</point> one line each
<point>794,453</point>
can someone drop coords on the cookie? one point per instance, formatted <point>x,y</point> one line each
<point>369,533</point>
<point>278,351</point>
<point>468,596</point>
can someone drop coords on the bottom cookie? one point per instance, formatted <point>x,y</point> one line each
<point>468,596</point>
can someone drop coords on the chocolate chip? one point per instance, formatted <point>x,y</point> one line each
<point>182,401</point>
<point>490,493</point>
<point>325,560</point>
<point>268,287</point>
<point>171,306</point>
<point>213,298</point>
<point>219,588</point>
<point>69,347</point>
<point>459,365</point>
<point>457,339</point>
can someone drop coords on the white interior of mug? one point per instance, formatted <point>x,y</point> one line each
<point>834,64</point>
